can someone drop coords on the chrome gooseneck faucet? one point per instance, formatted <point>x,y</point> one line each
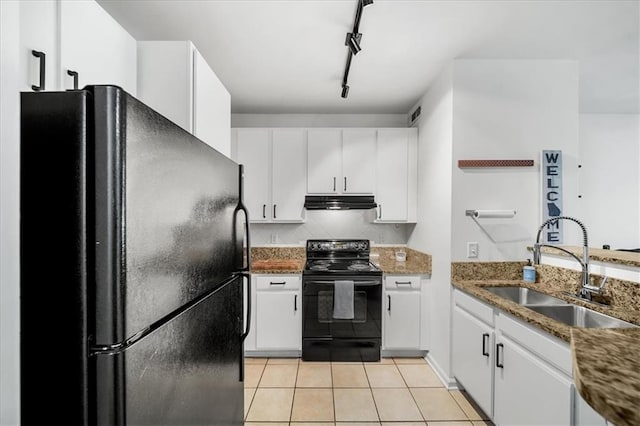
<point>586,289</point>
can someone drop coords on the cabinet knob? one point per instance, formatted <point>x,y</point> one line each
<point>345,183</point>
<point>334,184</point>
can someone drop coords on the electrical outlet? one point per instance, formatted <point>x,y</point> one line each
<point>472,250</point>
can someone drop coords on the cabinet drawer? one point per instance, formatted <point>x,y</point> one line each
<point>402,282</point>
<point>278,282</point>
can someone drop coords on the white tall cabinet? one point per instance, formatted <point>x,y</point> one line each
<point>76,36</point>
<point>275,172</point>
<point>96,47</point>
<point>175,80</point>
<point>397,174</point>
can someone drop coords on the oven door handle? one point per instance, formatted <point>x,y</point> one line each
<point>355,283</point>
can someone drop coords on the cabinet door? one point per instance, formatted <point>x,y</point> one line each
<point>94,45</point>
<point>527,390</point>
<point>38,31</point>
<point>211,107</point>
<point>358,161</point>
<point>473,357</point>
<point>253,152</point>
<point>392,167</point>
<point>278,320</point>
<point>401,327</point>
<point>289,174</point>
<point>324,157</point>
<point>166,79</point>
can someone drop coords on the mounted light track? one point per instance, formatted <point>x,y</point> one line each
<point>353,43</point>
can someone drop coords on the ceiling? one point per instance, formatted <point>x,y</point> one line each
<point>288,56</point>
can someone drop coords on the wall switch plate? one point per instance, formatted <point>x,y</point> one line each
<point>472,250</point>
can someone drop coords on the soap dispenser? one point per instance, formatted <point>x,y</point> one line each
<point>529,272</point>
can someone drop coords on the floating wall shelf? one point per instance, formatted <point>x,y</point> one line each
<point>465,164</point>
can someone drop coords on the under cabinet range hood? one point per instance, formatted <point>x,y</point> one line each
<point>339,202</point>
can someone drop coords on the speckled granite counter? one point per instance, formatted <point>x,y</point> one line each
<point>417,263</point>
<point>291,260</point>
<point>606,371</point>
<point>606,361</point>
<point>277,260</point>
<point>607,256</point>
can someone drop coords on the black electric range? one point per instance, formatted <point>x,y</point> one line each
<point>327,336</point>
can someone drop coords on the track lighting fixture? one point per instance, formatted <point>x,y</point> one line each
<point>345,90</point>
<point>353,43</point>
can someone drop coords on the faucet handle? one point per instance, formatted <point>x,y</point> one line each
<point>597,288</point>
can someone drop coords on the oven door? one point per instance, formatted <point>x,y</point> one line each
<point>327,338</point>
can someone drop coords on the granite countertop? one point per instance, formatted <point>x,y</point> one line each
<point>416,263</point>
<point>551,326</point>
<point>609,256</point>
<point>291,260</point>
<point>606,371</point>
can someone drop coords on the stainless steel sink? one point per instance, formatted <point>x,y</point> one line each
<point>525,296</point>
<point>579,316</point>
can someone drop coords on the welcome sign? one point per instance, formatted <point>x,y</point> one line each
<point>552,195</point>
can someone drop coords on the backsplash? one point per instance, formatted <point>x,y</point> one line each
<point>328,224</point>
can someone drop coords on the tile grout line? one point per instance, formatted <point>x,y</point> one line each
<point>295,386</point>
<point>364,367</point>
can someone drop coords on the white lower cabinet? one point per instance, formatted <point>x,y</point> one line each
<point>402,309</point>
<point>278,314</point>
<point>527,390</point>
<point>473,357</point>
<point>516,373</point>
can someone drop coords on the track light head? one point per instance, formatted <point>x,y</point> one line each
<point>345,91</point>
<point>366,2</point>
<point>353,42</point>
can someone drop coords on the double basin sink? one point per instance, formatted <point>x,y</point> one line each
<point>558,309</point>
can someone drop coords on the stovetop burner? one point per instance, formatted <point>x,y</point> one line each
<point>342,265</point>
<point>345,257</point>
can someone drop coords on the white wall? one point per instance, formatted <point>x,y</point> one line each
<point>610,179</point>
<point>511,109</point>
<point>432,234</point>
<point>319,120</point>
<point>330,224</point>
<point>9,213</point>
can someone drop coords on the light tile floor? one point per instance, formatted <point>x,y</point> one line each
<point>392,392</point>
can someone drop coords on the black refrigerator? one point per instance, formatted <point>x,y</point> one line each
<point>134,261</point>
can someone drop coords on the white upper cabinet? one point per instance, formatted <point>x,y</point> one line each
<point>358,161</point>
<point>76,36</point>
<point>324,161</point>
<point>288,174</point>
<point>175,80</point>
<point>252,150</point>
<point>96,47</point>
<point>275,172</point>
<point>397,165</point>
<point>341,161</point>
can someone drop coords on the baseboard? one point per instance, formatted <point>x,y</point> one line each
<point>389,353</point>
<point>449,382</point>
<point>272,354</point>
